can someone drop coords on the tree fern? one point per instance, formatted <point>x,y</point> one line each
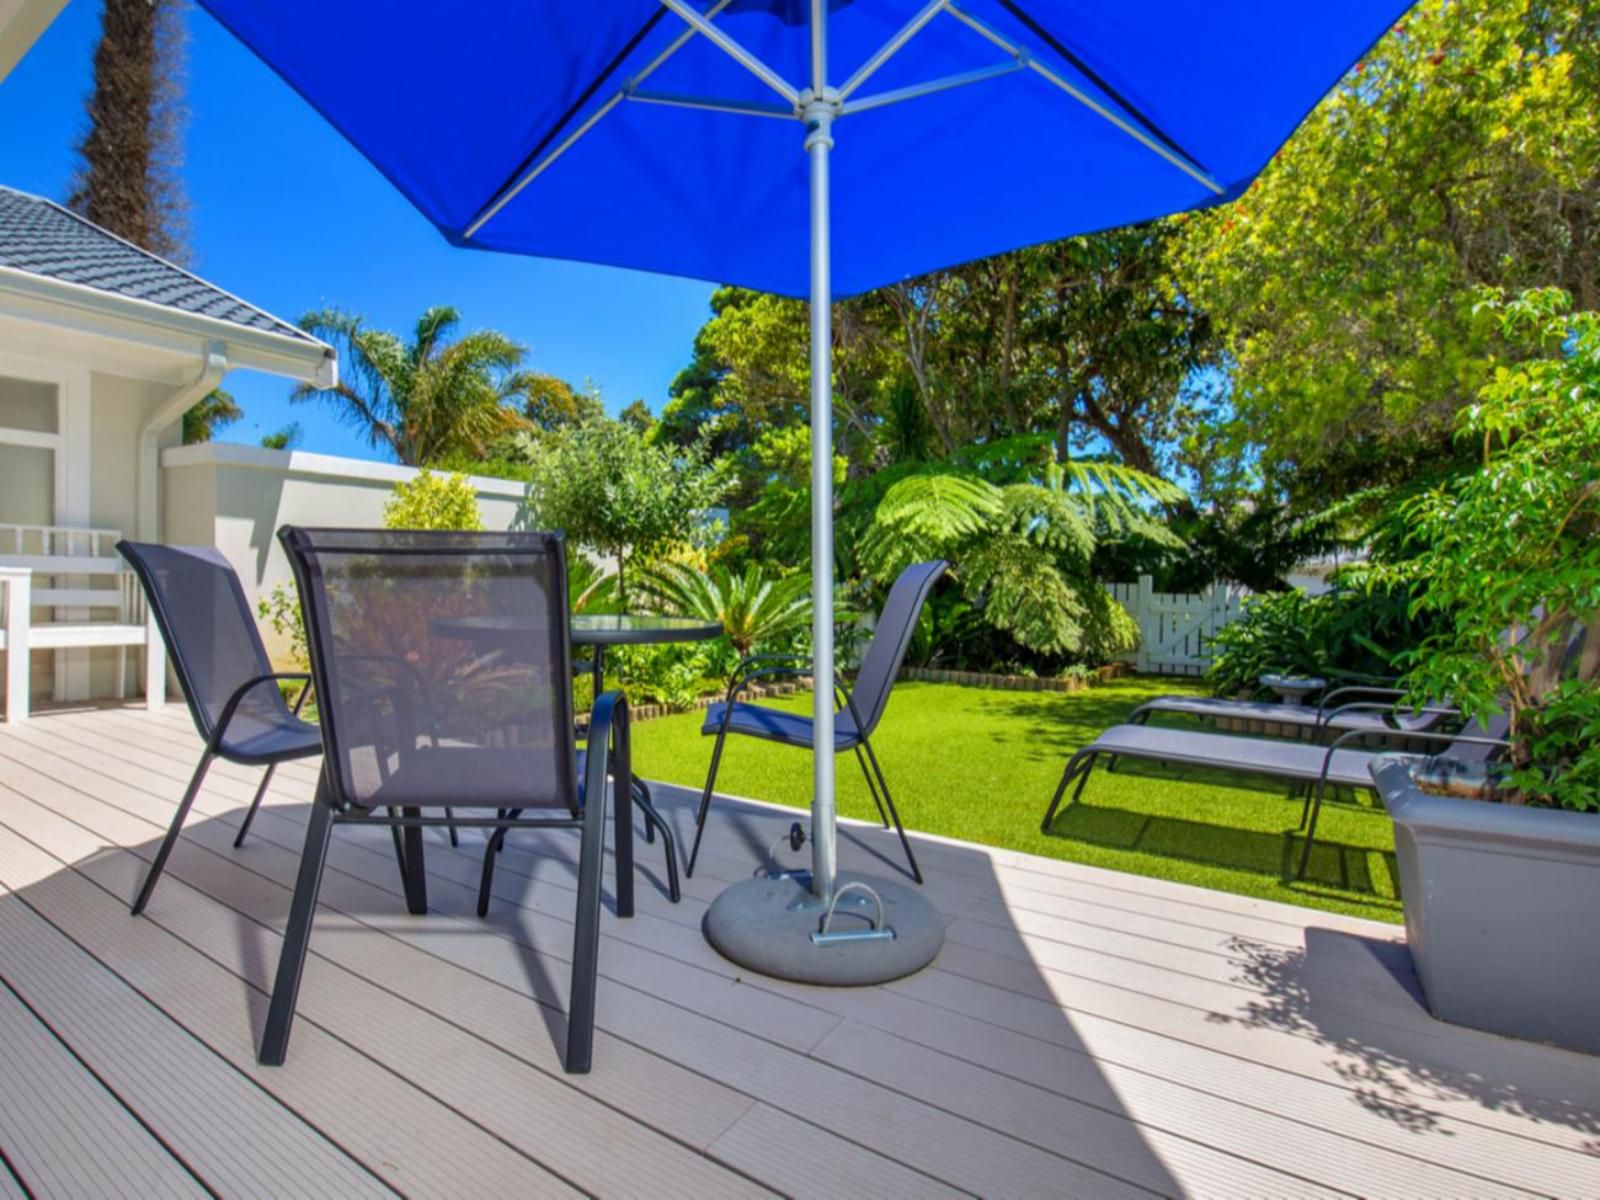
<point>925,516</point>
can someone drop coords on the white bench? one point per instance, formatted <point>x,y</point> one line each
<point>94,598</point>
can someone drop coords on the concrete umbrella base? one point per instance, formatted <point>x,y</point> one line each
<point>756,924</point>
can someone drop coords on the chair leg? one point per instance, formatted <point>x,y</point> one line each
<point>450,815</point>
<point>705,801</point>
<point>1311,828</point>
<point>297,936</point>
<point>416,877</point>
<point>905,842</point>
<point>244,828</point>
<point>497,842</point>
<point>399,847</point>
<point>167,843</point>
<point>652,820</point>
<point>1077,767</point>
<point>622,804</point>
<point>871,787</point>
<point>586,935</point>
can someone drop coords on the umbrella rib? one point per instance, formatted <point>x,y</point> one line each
<point>890,48</point>
<point>1177,158</point>
<point>1094,77</point>
<point>744,108</point>
<point>573,109</point>
<point>731,47</point>
<point>533,166</point>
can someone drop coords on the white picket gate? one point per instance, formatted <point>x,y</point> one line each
<point>1175,629</point>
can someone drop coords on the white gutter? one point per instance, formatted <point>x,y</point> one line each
<point>296,356</point>
<point>213,367</point>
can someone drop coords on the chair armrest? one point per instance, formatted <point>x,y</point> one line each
<point>1407,735</point>
<point>1328,697</point>
<point>1442,710</point>
<point>842,695</point>
<point>608,724</point>
<point>244,689</point>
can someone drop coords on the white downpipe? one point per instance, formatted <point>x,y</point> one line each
<point>213,365</point>
<point>820,108</point>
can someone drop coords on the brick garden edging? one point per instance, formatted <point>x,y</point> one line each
<point>1007,683</point>
<point>1018,683</point>
<point>649,712</point>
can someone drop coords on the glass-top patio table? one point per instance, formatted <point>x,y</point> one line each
<point>596,631</point>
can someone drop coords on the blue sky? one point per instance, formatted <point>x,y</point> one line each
<point>289,217</point>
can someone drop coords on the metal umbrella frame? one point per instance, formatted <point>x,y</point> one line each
<point>818,106</point>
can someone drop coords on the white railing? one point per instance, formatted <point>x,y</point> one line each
<point>1175,628</point>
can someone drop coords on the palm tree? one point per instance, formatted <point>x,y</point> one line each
<point>751,608</point>
<point>428,398</point>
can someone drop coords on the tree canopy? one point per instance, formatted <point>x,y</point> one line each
<point>1464,150</point>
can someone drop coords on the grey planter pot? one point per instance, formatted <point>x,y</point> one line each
<point>1501,905</point>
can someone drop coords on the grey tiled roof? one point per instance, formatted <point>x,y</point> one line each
<point>41,237</point>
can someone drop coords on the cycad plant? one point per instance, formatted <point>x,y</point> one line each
<point>591,588</point>
<point>753,608</point>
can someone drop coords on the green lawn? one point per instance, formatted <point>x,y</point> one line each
<point>981,765</point>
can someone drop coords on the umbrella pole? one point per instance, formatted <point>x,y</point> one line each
<point>819,111</point>
<point>819,141</point>
<point>786,923</point>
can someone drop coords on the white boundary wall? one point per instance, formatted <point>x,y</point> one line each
<point>235,498</point>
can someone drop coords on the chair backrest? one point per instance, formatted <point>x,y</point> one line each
<point>890,639</point>
<point>211,637</point>
<point>442,663</point>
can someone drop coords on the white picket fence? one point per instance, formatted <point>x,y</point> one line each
<point>1175,629</point>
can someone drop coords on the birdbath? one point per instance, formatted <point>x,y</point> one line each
<point>1293,689</point>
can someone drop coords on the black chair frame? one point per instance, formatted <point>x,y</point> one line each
<point>609,755</point>
<point>608,726</point>
<point>798,665</point>
<point>215,735</point>
<point>1081,765</point>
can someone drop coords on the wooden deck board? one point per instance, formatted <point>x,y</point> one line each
<point>66,1134</point>
<point>202,1109</point>
<point>1084,1032</point>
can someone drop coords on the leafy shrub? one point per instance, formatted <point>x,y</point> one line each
<point>675,675</point>
<point>1514,546</point>
<point>432,501</point>
<point>280,609</point>
<point>1337,635</point>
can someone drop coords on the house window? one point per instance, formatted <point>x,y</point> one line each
<point>30,451</point>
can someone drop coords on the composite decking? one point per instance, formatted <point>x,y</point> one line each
<point>1082,1033</point>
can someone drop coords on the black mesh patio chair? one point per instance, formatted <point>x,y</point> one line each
<point>226,676</point>
<point>1340,763</point>
<point>860,707</point>
<point>442,664</point>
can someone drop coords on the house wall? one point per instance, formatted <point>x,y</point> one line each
<point>236,497</point>
<point>96,475</point>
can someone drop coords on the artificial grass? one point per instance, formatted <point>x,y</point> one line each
<point>981,765</point>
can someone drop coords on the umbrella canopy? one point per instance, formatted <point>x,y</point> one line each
<point>459,104</point>
<point>666,135</point>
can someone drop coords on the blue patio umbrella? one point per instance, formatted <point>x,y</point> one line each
<point>667,136</point>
